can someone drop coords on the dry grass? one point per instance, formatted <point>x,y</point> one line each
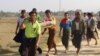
<point>7,29</point>
<point>9,48</point>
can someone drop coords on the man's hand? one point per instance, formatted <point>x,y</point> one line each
<point>42,33</point>
<point>37,45</point>
<point>59,34</point>
<point>15,32</point>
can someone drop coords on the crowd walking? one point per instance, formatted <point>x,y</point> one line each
<point>28,31</point>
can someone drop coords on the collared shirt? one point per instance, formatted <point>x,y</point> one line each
<point>32,31</point>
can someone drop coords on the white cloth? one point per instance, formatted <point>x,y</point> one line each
<point>95,26</point>
<point>89,22</point>
<point>95,20</point>
<point>98,18</point>
<point>20,20</point>
<point>77,25</point>
<point>47,22</point>
<point>85,18</point>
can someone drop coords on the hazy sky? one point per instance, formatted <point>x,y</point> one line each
<point>17,5</point>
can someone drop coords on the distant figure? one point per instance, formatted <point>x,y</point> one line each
<point>32,33</point>
<point>98,25</point>
<point>78,28</point>
<point>98,19</point>
<point>38,18</point>
<point>20,20</point>
<point>91,28</point>
<point>85,20</point>
<point>96,28</point>
<point>65,25</point>
<point>20,32</point>
<point>85,17</point>
<point>51,28</point>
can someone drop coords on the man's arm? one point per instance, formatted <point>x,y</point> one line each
<point>44,31</point>
<point>84,28</point>
<point>37,40</point>
<point>60,31</point>
<point>93,24</point>
<point>17,28</point>
<point>23,26</point>
<point>38,34</point>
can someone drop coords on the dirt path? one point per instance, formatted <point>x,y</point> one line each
<point>91,50</point>
<point>9,48</point>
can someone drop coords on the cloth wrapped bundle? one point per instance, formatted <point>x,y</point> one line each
<point>47,23</point>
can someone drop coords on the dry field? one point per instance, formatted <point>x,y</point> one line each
<point>10,48</point>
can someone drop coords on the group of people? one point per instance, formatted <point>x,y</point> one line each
<point>28,31</point>
<point>79,28</point>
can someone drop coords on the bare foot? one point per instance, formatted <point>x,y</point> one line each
<point>55,53</point>
<point>96,43</point>
<point>77,54</point>
<point>87,45</point>
<point>47,54</point>
<point>66,51</point>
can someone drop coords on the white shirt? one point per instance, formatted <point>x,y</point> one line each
<point>20,20</point>
<point>77,25</point>
<point>89,22</point>
<point>48,21</point>
<point>95,19</point>
<point>98,18</point>
<point>85,18</point>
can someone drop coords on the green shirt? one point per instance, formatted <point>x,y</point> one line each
<point>38,18</point>
<point>32,31</point>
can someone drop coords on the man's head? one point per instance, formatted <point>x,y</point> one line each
<point>90,15</point>
<point>48,13</point>
<point>78,14</point>
<point>23,12</point>
<point>33,15</point>
<point>85,14</point>
<point>66,15</point>
<point>34,10</point>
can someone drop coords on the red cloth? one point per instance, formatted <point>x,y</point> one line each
<point>64,21</point>
<point>47,19</point>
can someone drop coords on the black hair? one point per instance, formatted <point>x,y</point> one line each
<point>85,13</point>
<point>66,13</point>
<point>77,12</point>
<point>23,11</point>
<point>90,14</point>
<point>30,13</point>
<point>47,11</point>
<point>34,10</point>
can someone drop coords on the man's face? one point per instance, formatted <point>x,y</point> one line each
<point>33,16</point>
<point>78,15</point>
<point>48,14</point>
<point>85,14</point>
<point>23,13</point>
<point>89,16</point>
<point>66,16</point>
